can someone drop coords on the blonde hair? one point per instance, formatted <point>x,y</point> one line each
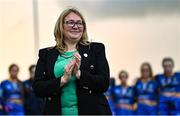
<point>58,30</point>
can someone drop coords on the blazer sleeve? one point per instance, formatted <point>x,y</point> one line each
<point>44,87</point>
<point>98,82</point>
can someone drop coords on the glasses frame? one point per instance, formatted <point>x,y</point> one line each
<point>74,23</point>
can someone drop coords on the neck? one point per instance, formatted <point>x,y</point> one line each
<point>70,45</point>
<point>13,79</point>
<point>145,79</point>
<point>124,84</point>
<point>168,74</point>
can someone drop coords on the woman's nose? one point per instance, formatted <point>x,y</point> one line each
<point>75,26</point>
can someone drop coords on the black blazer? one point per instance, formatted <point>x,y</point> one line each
<point>94,80</point>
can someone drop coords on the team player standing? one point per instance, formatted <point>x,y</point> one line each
<point>151,95</point>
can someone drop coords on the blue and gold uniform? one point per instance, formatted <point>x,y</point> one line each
<point>147,95</point>
<point>169,90</point>
<point>12,97</point>
<point>124,100</point>
<point>109,95</point>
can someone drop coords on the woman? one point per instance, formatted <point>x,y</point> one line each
<point>73,75</point>
<point>147,91</point>
<point>124,96</point>
<point>169,89</point>
<point>12,93</point>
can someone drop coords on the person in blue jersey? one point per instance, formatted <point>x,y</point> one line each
<point>109,94</point>
<point>12,93</point>
<point>146,89</point>
<point>124,96</point>
<point>32,104</point>
<point>169,83</point>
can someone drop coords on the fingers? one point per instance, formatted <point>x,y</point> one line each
<point>77,56</point>
<point>74,64</point>
<point>78,59</point>
<point>69,67</point>
<point>77,64</point>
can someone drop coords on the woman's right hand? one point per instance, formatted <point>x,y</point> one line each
<point>67,72</point>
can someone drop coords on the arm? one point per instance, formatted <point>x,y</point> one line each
<point>98,82</point>
<point>41,85</point>
<point>158,83</point>
<point>136,91</point>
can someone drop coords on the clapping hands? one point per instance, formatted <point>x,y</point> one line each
<point>72,68</point>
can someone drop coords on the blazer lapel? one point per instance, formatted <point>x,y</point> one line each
<point>52,59</point>
<point>84,52</point>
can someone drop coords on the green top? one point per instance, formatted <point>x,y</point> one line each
<point>68,91</point>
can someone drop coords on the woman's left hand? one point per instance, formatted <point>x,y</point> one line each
<point>76,70</point>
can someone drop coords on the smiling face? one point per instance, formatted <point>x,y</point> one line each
<point>73,27</point>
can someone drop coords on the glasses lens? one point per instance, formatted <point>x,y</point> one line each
<point>72,23</point>
<point>80,24</point>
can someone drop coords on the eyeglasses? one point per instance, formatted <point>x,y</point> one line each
<point>71,23</point>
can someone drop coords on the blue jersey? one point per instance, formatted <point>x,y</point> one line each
<point>147,90</point>
<point>168,104</point>
<point>12,91</point>
<point>178,82</point>
<point>124,95</point>
<point>168,84</point>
